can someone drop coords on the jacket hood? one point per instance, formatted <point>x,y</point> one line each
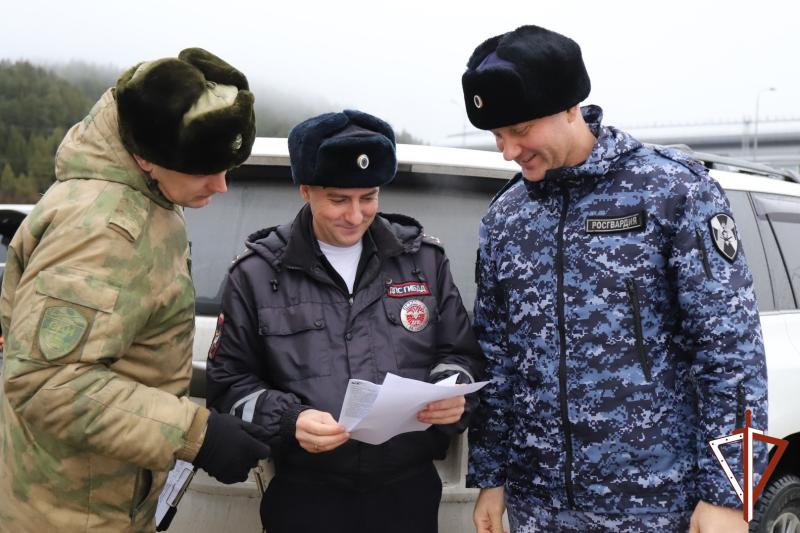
<point>294,243</point>
<point>92,149</point>
<point>611,147</point>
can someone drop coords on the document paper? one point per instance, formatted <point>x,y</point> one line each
<point>175,486</point>
<point>376,413</point>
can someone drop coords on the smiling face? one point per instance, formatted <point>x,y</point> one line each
<point>187,190</point>
<point>544,143</point>
<point>341,216</point>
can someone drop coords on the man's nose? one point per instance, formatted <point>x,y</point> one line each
<point>217,182</point>
<point>510,149</point>
<point>354,215</point>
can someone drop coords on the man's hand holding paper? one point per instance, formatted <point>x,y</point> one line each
<point>447,411</point>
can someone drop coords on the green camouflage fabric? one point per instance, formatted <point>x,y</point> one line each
<point>98,306</point>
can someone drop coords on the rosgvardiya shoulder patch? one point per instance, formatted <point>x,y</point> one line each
<point>724,235</point>
<point>60,331</point>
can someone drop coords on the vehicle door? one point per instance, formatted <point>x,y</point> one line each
<point>778,221</point>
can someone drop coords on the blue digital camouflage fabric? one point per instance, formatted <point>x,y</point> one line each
<point>541,520</point>
<point>620,338</point>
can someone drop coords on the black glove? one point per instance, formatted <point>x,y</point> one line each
<point>231,448</point>
<point>471,401</point>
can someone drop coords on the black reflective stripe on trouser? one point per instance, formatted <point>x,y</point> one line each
<point>562,363</point>
<point>248,405</point>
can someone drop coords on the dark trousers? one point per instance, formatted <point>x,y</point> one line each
<point>300,503</point>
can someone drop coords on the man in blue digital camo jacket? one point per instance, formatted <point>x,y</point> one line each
<point>616,311</point>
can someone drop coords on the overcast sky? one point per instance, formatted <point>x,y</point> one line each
<point>674,61</point>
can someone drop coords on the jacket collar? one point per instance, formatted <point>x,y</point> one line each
<point>389,235</point>
<point>611,145</point>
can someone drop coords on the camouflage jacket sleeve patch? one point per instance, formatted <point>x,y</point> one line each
<point>60,331</point>
<point>73,299</point>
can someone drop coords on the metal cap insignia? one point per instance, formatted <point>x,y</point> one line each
<point>237,142</point>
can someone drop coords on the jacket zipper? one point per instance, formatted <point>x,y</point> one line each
<point>739,406</point>
<point>562,363</point>
<point>703,254</point>
<point>633,294</point>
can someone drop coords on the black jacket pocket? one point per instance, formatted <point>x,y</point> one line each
<point>298,340</point>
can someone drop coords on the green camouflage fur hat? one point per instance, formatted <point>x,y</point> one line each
<point>193,114</point>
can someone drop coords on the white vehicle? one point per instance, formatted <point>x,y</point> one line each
<point>448,191</point>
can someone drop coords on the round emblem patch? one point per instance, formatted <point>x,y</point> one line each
<point>478,101</point>
<point>414,315</point>
<point>363,161</point>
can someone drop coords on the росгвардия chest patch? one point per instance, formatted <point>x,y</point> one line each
<point>615,224</point>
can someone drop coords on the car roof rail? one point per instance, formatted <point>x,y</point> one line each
<point>722,162</point>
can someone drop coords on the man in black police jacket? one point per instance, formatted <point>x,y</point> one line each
<point>342,292</point>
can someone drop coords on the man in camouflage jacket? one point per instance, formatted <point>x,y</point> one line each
<point>616,311</point>
<point>98,307</point>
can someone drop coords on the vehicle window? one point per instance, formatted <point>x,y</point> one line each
<point>9,222</point>
<point>258,197</point>
<point>5,241</point>
<point>752,247</point>
<point>448,207</point>
<point>780,214</point>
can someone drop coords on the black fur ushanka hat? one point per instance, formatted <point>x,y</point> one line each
<point>348,149</point>
<point>193,114</point>
<point>522,75</point>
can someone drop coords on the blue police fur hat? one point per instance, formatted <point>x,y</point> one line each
<point>348,149</point>
<point>193,114</point>
<point>522,75</point>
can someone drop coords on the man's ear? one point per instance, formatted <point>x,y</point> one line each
<point>573,113</point>
<point>305,193</point>
<point>143,163</point>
